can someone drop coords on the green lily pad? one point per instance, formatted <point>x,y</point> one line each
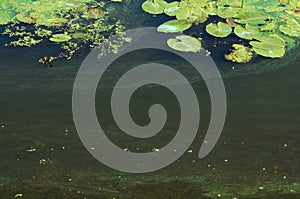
<point>240,54</point>
<point>271,39</point>
<point>269,45</point>
<point>247,32</point>
<point>171,8</point>
<point>227,12</point>
<point>60,38</point>
<point>174,26</point>
<point>192,11</point>
<point>154,6</point>
<point>219,30</point>
<point>211,8</point>
<point>267,50</point>
<point>251,17</point>
<point>25,18</point>
<point>184,43</point>
<point>292,28</point>
<point>269,26</point>
<point>289,31</point>
<point>6,17</point>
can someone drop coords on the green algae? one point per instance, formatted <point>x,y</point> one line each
<point>72,24</point>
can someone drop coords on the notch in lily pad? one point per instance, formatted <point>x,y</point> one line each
<point>247,32</point>
<point>220,29</point>
<point>184,43</point>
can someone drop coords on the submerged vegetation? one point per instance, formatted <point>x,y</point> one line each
<point>269,28</point>
<point>71,24</point>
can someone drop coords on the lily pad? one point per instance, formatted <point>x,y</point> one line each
<point>25,18</point>
<point>154,6</point>
<point>6,17</point>
<point>247,32</point>
<point>174,26</point>
<point>269,26</point>
<point>267,50</point>
<point>184,43</point>
<point>271,39</point>
<point>251,17</point>
<point>292,28</point>
<point>219,30</point>
<point>227,12</point>
<point>60,38</point>
<point>289,31</point>
<point>171,8</point>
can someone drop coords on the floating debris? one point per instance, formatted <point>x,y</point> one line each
<point>155,150</point>
<point>190,151</point>
<point>31,150</point>
<point>18,195</point>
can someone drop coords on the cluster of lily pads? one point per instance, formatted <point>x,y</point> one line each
<point>70,23</point>
<point>270,27</point>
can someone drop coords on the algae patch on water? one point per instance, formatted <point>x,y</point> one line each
<point>71,24</point>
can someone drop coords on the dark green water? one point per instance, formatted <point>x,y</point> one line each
<point>257,155</point>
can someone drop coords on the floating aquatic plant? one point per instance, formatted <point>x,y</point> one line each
<point>174,26</point>
<point>240,54</point>
<point>69,23</point>
<point>60,38</point>
<point>184,43</point>
<point>271,27</point>
<point>220,29</point>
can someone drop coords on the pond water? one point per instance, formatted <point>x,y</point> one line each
<point>42,156</point>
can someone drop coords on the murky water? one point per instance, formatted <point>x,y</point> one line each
<point>42,156</point>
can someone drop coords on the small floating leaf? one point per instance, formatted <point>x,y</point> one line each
<point>171,8</point>
<point>154,6</point>
<point>289,31</point>
<point>249,32</point>
<point>251,17</point>
<point>174,26</point>
<point>184,43</point>
<point>60,38</point>
<point>25,18</point>
<point>219,30</point>
<point>227,12</point>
